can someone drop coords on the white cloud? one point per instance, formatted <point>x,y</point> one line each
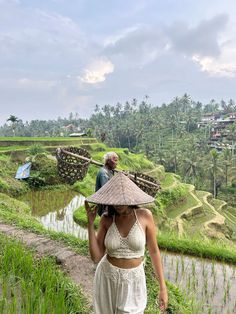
<point>215,67</point>
<point>221,66</point>
<point>97,71</point>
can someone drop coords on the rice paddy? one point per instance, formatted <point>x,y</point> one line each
<point>54,209</point>
<point>211,284</point>
<point>31,285</point>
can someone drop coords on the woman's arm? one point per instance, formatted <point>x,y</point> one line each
<point>156,259</point>
<point>96,241</point>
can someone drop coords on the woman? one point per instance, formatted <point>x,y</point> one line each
<point>119,245</point>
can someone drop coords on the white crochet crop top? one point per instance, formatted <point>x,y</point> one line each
<point>131,246</point>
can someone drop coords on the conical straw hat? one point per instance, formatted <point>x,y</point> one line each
<point>120,190</point>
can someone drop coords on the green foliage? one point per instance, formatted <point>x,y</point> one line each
<point>212,249</point>
<point>18,213</point>
<point>178,304</point>
<point>80,217</point>
<point>94,147</point>
<point>35,149</point>
<point>170,196</point>
<point>126,151</point>
<point>233,184</point>
<point>7,168</point>
<point>85,187</point>
<point>12,186</point>
<point>8,184</point>
<point>35,181</point>
<point>33,285</point>
<point>46,168</point>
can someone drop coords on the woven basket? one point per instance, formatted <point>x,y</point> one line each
<point>148,188</point>
<point>72,168</point>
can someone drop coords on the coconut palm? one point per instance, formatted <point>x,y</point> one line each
<point>214,169</point>
<point>13,119</point>
<point>190,168</point>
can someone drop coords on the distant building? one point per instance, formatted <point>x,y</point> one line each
<point>82,134</point>
<point>232,116</point>
<point>208,117</point>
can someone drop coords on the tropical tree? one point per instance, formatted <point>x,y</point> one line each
<point>190,168</point>
<point>214,169</point>
<point>13,119</point>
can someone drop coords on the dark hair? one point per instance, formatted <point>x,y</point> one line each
<point>112,211</point>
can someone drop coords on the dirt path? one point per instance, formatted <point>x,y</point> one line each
<point>79,268</point>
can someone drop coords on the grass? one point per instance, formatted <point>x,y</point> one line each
<point>32,285</point>
<point>178,303</point>
<point>216,203</point>
<point>175,210</point>
<point>17,213</point>
<point>177,200</point>
<point>11,148</point>
<point>18,138</point>
<point>168,181</point>
<point>201,195</point>
<point>196,246</point>
<point>80,217</point>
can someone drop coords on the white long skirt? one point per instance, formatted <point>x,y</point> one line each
<point>118,290</point>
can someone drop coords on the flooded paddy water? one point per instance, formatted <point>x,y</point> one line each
<point>212,284</point>
<point>55,210</point>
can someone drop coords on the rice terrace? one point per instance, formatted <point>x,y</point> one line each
<point>44,256</point>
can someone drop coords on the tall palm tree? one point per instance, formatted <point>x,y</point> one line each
<point>190,168</point>
<point>227,162</point>
<point>214,169</point>
<point>13,119</point>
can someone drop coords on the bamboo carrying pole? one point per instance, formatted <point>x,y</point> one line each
<point>100,165</point>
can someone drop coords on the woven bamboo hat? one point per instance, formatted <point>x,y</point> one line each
<point>120,190</point>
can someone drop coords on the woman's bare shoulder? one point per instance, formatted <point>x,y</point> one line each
<point>144,213</point>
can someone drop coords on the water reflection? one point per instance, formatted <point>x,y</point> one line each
<point>62,219</point>
<point>55,210</point>
<point>213,284</point>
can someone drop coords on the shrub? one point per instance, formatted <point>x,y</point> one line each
<point>168,197</point>
<point>35,149</point>
<point>35,181</point>
<point>46,167</point>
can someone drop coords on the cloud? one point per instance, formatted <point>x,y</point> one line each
<point>202,40</point>
<point>39,42</point>
<point>97,71</point>
<point>216,67</point>
<point>135,46</point>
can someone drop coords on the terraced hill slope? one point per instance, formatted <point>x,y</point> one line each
<point>179,207</point>
<point>197,212</point>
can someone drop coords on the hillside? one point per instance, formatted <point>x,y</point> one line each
<point>15,212</point>
<point>179,207</point>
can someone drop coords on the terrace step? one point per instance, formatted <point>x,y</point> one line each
<point>79,268</point>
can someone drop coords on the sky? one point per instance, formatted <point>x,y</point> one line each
<point>62,56</point>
